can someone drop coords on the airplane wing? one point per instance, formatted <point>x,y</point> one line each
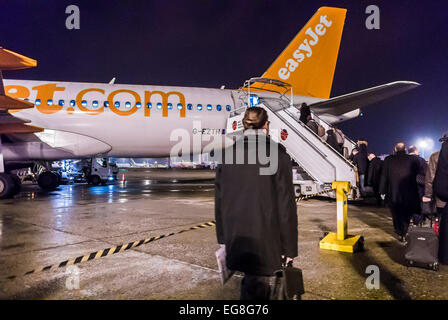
<point>340,105</point>
<point>10,60</point>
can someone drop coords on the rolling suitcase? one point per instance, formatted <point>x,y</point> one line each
<point>422,248</point>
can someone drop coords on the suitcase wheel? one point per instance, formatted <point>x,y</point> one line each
<point>435,267</point>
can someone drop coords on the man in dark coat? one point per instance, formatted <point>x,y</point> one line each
<point>362,163</point>
<point>399,184</point>
<point>332,140</point>
<point>440,185</point>
<point>256,214</point>
<point>374,176</point>
<point>305,113</point>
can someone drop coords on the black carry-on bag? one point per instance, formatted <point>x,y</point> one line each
<point>288,284</point>
<point>422,248</point>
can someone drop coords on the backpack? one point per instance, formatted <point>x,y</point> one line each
<point>320,130</point>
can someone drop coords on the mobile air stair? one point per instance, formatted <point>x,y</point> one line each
<point>318,163</point>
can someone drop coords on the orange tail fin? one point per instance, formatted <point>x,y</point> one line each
<point>309,61</point>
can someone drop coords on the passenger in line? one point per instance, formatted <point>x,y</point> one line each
<point>429,179</point>
<point>399,187</point>
<point>353,154</point>
<point>423,166</point>
<point>312,124</point>
<point>332,140</point>
<point>305,113</point>
<point>374,176</point>
<point>315,127</point>
<point>340,138</point>
<point>256,215</point>
<point>440,186</point>
<point>362,163</point>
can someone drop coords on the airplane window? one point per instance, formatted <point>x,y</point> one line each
<point>199,107</point>
<point>139,105</point>
<point>50,102</point>
<point>117,104</point>
<point>179,106</point>
<point>228,108</point>
<point>37,103</point>
<point>84,103</point>
<point>218,107</point>
<point>170,106</point>
<point>95,104</point>
<point>106,104</point>
<point>209,107</point>
<point>159,106</point>
<point>61,102</point>
<point>190,106</point>
<point>128,104</point>
<point>149,105</point>
<point>72,103</point>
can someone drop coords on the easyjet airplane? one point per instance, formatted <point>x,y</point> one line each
<point>52,120</point>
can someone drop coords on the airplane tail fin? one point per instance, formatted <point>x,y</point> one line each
<point>309,61</point>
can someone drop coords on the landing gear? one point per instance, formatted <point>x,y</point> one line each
<point>95,180</point>
<point>6,186</point>
<point>10,185</point>
<point>48,180</point>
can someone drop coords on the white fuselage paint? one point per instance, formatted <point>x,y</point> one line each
<point>134,135</point>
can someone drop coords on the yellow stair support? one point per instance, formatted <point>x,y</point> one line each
<point>341,241</point>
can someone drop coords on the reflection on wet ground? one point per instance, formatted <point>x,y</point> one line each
<point>40,228</point>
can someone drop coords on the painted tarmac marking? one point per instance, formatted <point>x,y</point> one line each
<point>110,251</point>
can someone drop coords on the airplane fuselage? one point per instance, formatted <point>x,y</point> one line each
<point>133,120</point>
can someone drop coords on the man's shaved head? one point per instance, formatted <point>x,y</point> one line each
<point>400,147</point>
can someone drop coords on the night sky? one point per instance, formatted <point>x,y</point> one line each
<point>213,43</point>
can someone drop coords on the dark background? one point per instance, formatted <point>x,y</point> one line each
<point>213,43</point>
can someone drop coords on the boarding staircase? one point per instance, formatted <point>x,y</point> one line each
<point>318,163</point>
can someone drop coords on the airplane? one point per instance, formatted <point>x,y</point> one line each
<point>134,164</point>
<point>43,121</point>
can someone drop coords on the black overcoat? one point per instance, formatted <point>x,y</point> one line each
<point>256,215</point>
<point>399,181</point>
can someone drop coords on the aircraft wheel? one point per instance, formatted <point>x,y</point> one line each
<point>48,180</point>
<point>17,183</point>
<point>96,180</point>
<point>7,186</point>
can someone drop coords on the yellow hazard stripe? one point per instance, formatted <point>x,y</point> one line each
<point>109,251</point>
<point>308,196</point>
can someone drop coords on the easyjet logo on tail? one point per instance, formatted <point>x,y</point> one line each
<point>305,49</point>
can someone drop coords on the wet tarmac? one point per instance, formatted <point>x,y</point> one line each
<point>40,228</point>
